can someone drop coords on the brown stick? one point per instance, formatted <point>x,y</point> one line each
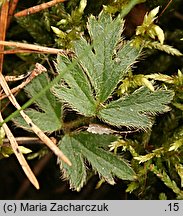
<point>34,73</point>
<point>13,5</point>
<point>17,78</point>
<point>38,8</point>
<point>24,141</point>
<point>3,26</point>
<point>19,155</point>
<point>15,51</point>
<point>33,47</point>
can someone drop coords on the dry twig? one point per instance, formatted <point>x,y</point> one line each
<point>13,5</point>
<point>24,141</point>
<point>32,74</point>
<point>32,47</point>
<point>3,26</point>
<point>19,155</point>
<point>38,8</point>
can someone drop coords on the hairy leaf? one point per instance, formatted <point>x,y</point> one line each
<point>77,92</point>
<point>136,109</point>
<point>101,66</point>
<point>48,118</point>
<point>104,68</point>
<point>88,85</point>
<point>93,148</point>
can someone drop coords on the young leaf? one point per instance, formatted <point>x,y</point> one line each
<point>134,110</point>
<point>49,116</point>
<point>92,147</point>
<point>149,28</point>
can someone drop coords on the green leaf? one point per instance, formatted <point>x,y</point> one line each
<point>92,147</point>
<point>77,92</point>
<point>135,110</point>
<point>77,172</point>
<point>101,67</point>
<point>48,118</point>
<point>88,85</point>
<point>100,64</point>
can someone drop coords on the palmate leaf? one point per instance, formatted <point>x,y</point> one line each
<point>92,147</point>
<point>88,85</point>
<point>91,81</point>
<point>48,118</point>
<point>103,69</point>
